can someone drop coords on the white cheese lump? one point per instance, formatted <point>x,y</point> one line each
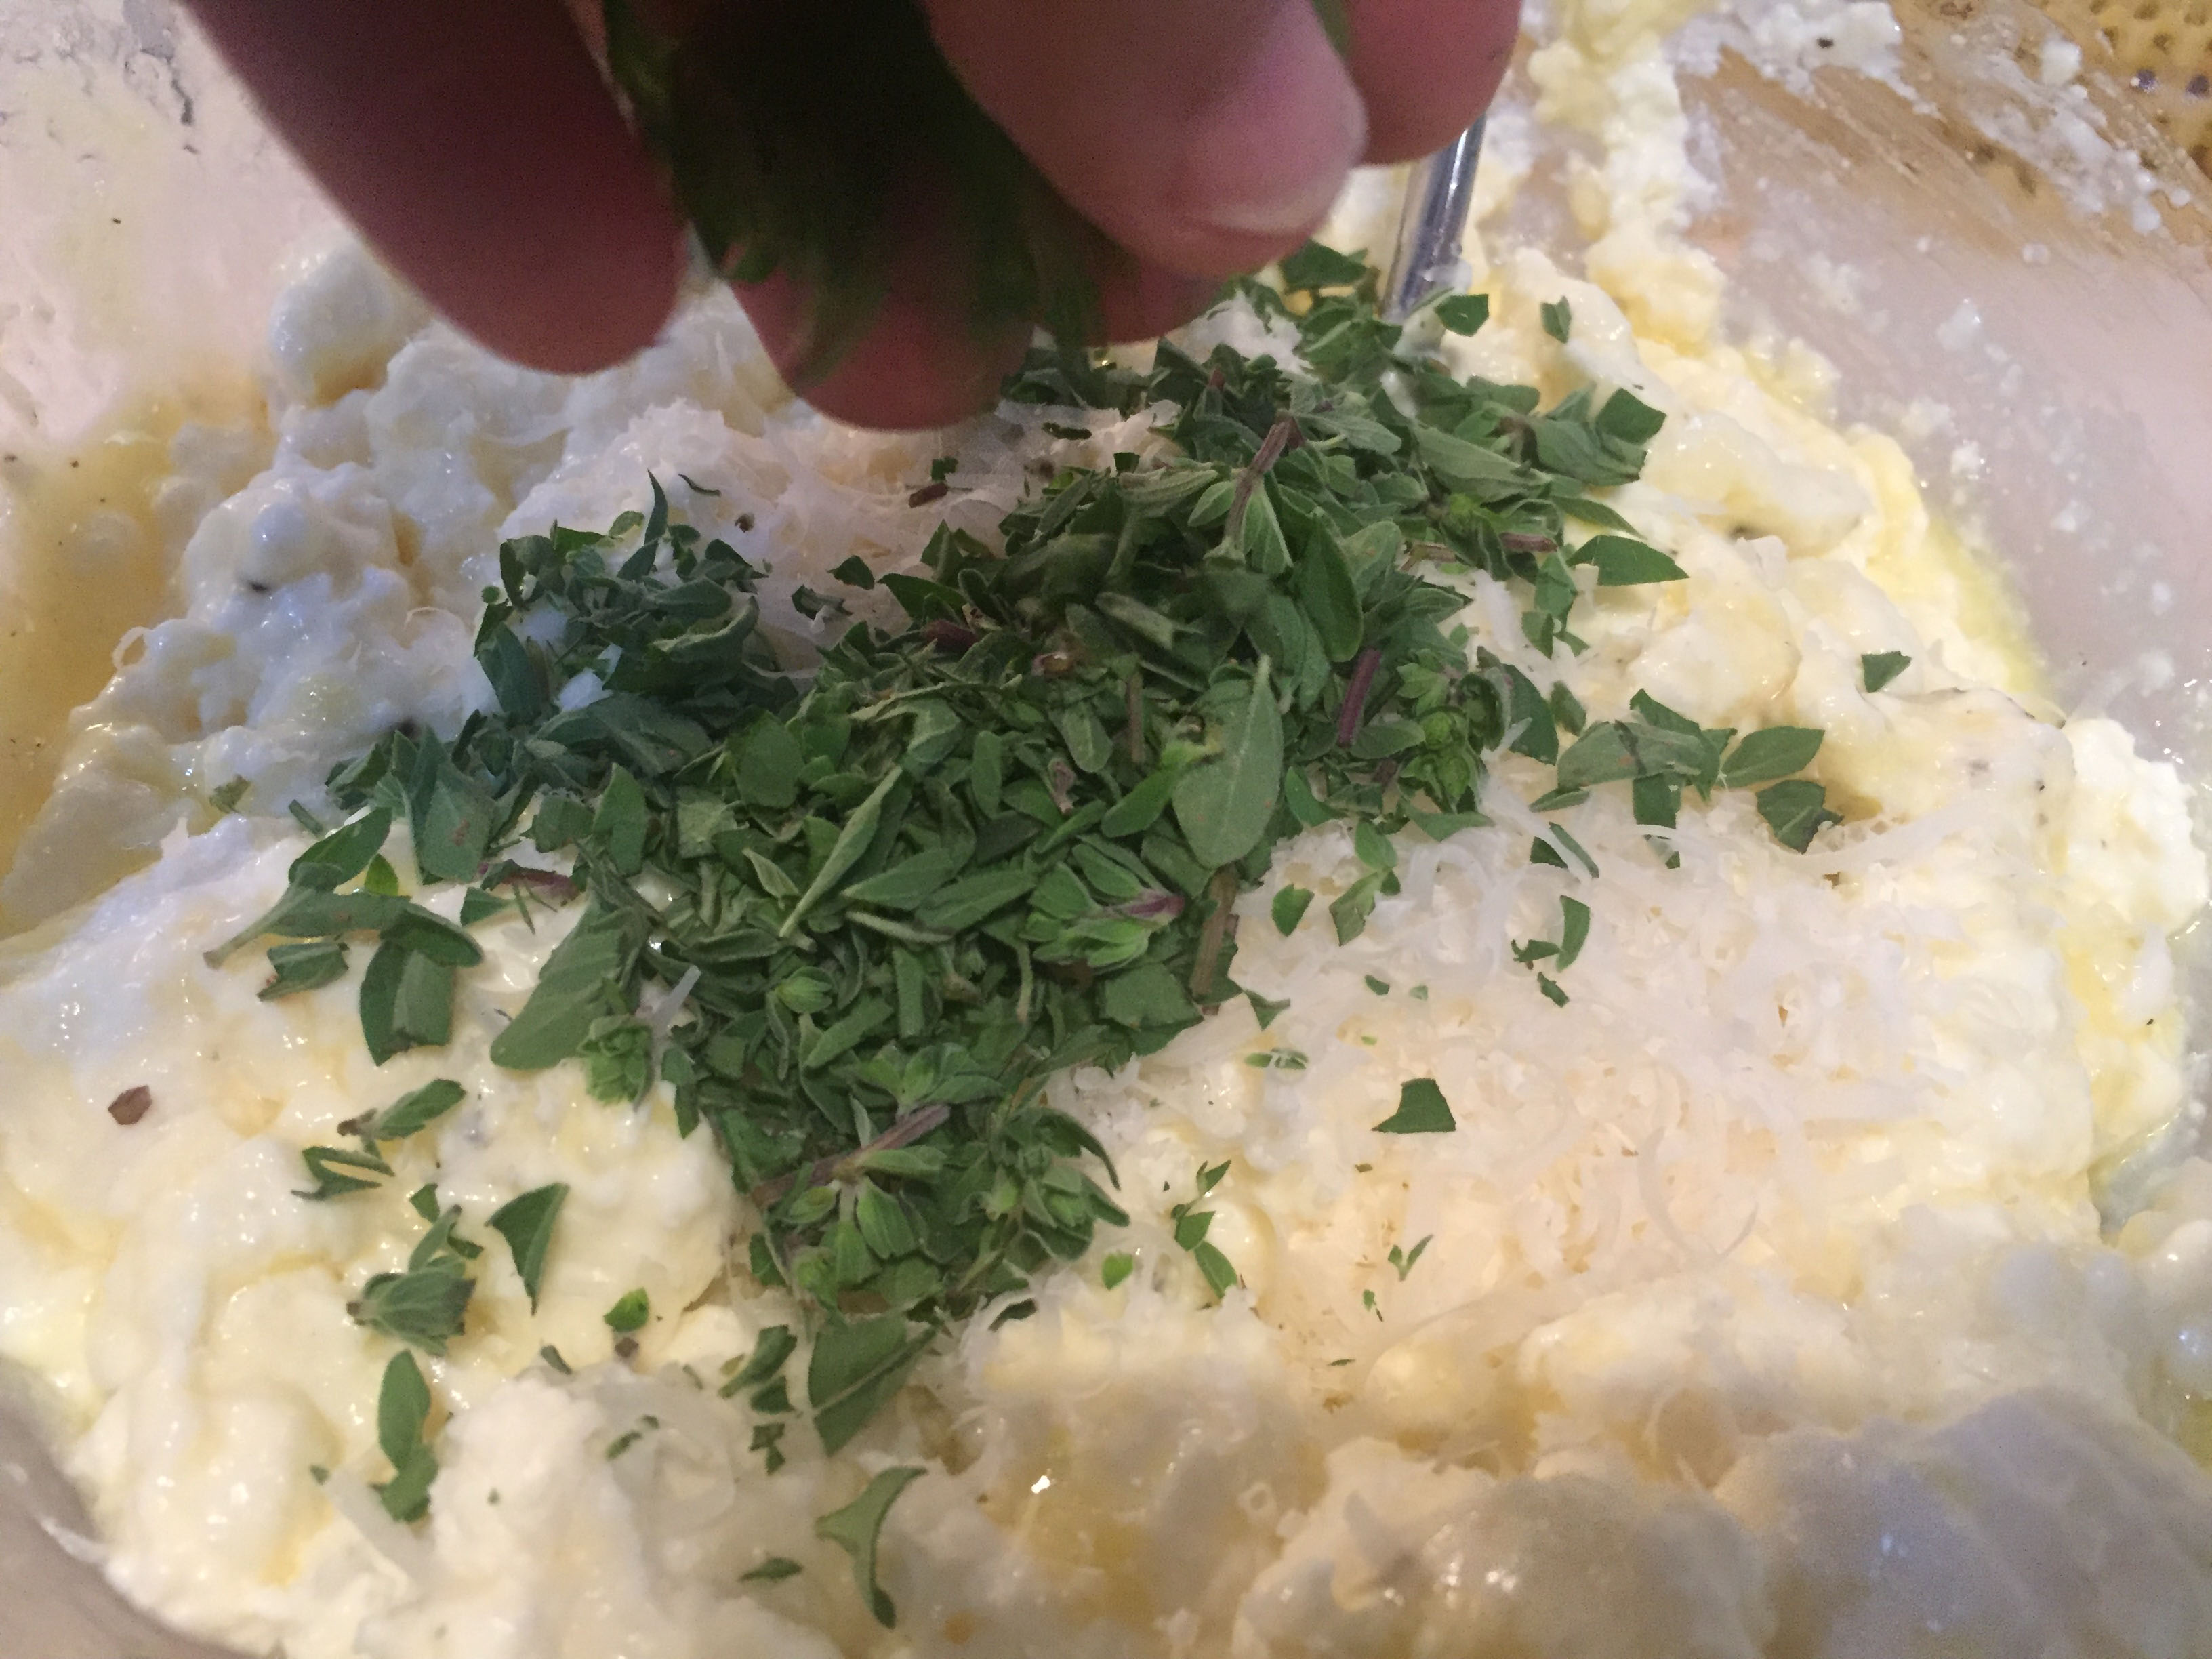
<point>1760,1306</point>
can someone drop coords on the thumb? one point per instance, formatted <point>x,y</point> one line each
<point>1204,136</point>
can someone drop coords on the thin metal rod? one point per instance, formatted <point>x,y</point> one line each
<point>1430,229</point>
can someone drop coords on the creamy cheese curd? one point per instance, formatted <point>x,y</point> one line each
<point>1763,1309</point>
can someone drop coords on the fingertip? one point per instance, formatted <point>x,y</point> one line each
<point>1426,68</point>
<point>1265,156</point>
<point>610,302</point>
<point>1207,136</point>
<point>917,368</point>
<point>1140,300</point>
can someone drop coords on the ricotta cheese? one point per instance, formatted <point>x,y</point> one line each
<point>1759,1305</point>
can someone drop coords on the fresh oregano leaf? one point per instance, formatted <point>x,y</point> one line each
<point>526,1223</point>
<point>414,1111</point>
<point>1879,668</point>
<point>582,980</point>
<point>1422,1110</point>
<point>1796,810</point>
<point>1623,563</point>
<point>406,1002</point>
<point>327,1167</point>
<point>1223,803</point>
<point>857,1529</point>
<point>305,967</point>
<point>1772,752</point>
<point>403,1411</point>
<point>1463,313</point>
<point>629,1313</point>
<point>856,1368</point>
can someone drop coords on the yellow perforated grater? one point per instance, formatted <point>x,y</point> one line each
<point>2162,49</point>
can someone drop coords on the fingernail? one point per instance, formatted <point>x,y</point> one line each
<point>1269,152</point>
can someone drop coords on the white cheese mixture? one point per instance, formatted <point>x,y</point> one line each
<point>1763,1309</point>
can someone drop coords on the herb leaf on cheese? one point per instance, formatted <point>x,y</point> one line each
<point>526,1223</point>
<point>857,1529</point>
<point>1422,1110</point>
<point>403,1410</point>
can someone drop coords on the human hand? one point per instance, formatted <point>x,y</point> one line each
<point>474,144</point>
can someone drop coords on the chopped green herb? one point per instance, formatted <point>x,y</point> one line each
<point>630,1312</point>
<point>551,1356</point>
<point>857,1368</point>
<point>1463,313</point>
<point>1116,1267</point>
<point>1351,908</point>
<point>767,1440</point>
<point>406,1001</point>
<point>1624,563</point>
<point>1403,1259</point>
<point>411,1113</point>
<point>403,1410</point>
<point>1879,668</point>
<point>526,1223</point>
<point>1289,908</point>
<point>1796,810</point>
<point>1574,930</point>
<point>1558,319</point>
<point>1561,838</point>
<point>225,797</point>
<point>421,1307</point>
<point>1774,752</point>
<point>1380,987</point>
<point>771,1348</point>
<point>1422,1110</point>
<point>327,1167</point>
<point>307,967</point>
<point>857,1529</point>
<point>1316,266</point>
<point>424,1305</point>
<point>773,1570</point>
<point>1191,1225</point>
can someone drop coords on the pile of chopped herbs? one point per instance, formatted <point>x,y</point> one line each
<point>893,896</point>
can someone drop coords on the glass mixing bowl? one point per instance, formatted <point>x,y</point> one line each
<point>2009,274</point>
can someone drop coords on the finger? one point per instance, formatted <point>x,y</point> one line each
<point>919,366</point>
<point>1427,68</point>
<point>1139,301</point>
<point>473,144</point>
<point>923,364</point>
<point>1206,135</point>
